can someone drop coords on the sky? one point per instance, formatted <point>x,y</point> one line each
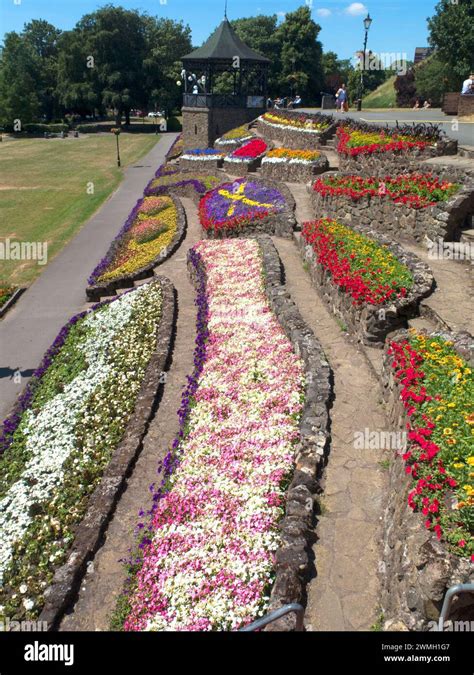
<point>398,25</point>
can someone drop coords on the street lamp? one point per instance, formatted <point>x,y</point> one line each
<point>367,24</point>
<point>116,131</point>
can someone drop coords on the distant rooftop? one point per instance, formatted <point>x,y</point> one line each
<point>421,53</point>
<point>224,43</point>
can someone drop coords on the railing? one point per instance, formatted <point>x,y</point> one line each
<point>277,614</point>
<point>222,101</point>
<point>448,599</point>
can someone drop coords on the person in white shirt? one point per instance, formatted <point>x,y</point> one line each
<point>468,85</point>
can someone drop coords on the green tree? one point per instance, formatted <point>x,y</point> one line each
<point>434,77</point>
<point>78,88</point>
<point>43,38</point>
<point>452,34</point>
<point>301,55</point>
<point>260,33</point>
<point>336,71</point>
<point>166,42</point>
<point>19,77</point>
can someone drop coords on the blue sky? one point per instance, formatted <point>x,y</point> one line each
<point>398,25</point>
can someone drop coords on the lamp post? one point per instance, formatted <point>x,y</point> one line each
<point>367,24</point>
<point>116,131</point>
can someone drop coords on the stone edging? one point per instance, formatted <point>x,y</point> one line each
<point>200,164</point>
<point>417,569</point>
<point>371,324</point>
<point>441,221</point>
<point>294,556</point>
<point>282,224</point>
<point>11,301</point>
<point>97,291</point>
<point>88,535</point>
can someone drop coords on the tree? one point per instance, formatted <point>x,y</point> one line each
<point>374,72</point>
<point>78,88</point>
<point>405,87</point>
<point>452,34</point>
<point>166,42</point>
<point>42,37</point>
<point>19,77</point>
<point>260,33</point>
<point>433,77</point>
<point>336,71</point>
<point>301,55</point>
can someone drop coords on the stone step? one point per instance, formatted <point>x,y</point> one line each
<point>466,151</point>
<point>467,236</point>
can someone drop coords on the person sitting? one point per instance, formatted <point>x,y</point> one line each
<point>278,103</point>
<point>297,101</point>
<point>269,102</point>
<point>417,105</point>
<point>468,86</point>
<point>427,104</point>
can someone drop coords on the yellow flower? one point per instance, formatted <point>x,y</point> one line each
<point>470,460</point>
<point>447,431</point>
<point>458,465</point>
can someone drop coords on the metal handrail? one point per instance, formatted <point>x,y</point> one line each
<point>277,614</point>
<point>448,599</point>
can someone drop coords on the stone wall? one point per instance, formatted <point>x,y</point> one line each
<point>417,569</point>
<point>390,163</point>
<point>293,137</point>
<point>88,534</point>
<point>201,126</point>
<point>370,324</point>
<point>97,291</point>
<point>466,106</point>
<point>295,172</point>
<point>201,164</point>
<point>441,221</point>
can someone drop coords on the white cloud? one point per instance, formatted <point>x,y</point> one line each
<point>281,14</point>
<point>355,9</point>
<point>323,12</point>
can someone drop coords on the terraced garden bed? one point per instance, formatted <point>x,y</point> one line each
<point>285,164</point>
<point>247,206</point>
<point>428,387</point>
<point>151,234</point>
<point>67,446</point>
<point>301,131</point>
<point>182,182</point>
<point>370,283</point>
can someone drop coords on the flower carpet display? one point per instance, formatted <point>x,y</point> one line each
<point>148,231</point>
<point>207,551</point>
<point>234,137</point>
<point>296,121</point>
<point>251,150</point>
<point>289,156</point>
<point>415,190</point>
<point>437,390</point>
<point>169,178</point>
<point>354,142</point>
<point>232,206</point>
<point>198,154</point>
<point>360,266</point>
<point>63,431</point>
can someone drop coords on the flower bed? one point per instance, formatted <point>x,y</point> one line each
<point>74,424</point>
<point>414,206</point>
<point>176,149</point>
<point>182,182</point>
<point>201,158</point>
<point>368,149</point>
<point>429,389</point>
<point>366,279</point>
<point>5,294</point>
<point>245,207</point>
<point>211,551</point>
<point>296,130</point>
<point>234,138</point>
<point>293,165</point>
<point>152,232</point>
<point>247,157</point>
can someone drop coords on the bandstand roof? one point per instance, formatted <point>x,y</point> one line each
<point>224,44</point>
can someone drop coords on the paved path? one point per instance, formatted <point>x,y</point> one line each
<point>104,582</point>
<point>31,325</point>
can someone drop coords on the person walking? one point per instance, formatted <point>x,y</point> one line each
<point>341,99</point>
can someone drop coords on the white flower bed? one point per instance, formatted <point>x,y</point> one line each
<point>62,435</point>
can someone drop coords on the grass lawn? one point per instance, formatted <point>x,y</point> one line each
<point>382,97</point>
<point>43,192</point>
